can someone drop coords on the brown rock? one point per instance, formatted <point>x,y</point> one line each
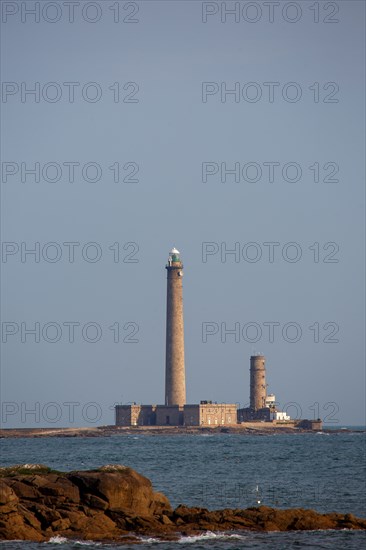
<point>60,524</point>
<point>166,520</point>
<point>99,527</point>
<point>39,480</point>
<point>31,519</point>
<point>8,499</point>
<point>95,502</point>
<point>188,514</point>
<point>24,490</point>
<point>124,490</point>
<point>44,514</point>
<point>116,501</point>
<point>61,488</point>
<point>14,527</point>
<point>78,520</point>
<point>161,504</point>
<point>7,495</point>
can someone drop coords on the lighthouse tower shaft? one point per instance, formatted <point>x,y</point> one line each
<point>258,386</point>
<point>175,380</point>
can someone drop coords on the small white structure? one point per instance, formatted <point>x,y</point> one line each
<point>279,415</point>
<point>270,400</point>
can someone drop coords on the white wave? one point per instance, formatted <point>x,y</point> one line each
<point>62,540</point>
<point>208,536</point>
<point>57,540</point>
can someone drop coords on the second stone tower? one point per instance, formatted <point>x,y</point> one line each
<point>175,379</point>
<point>258,386</point>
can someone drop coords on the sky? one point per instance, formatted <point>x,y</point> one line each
<point>208,126</point>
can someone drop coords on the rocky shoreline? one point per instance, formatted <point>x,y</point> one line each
<point>117,503</point>
<point>107,431</point>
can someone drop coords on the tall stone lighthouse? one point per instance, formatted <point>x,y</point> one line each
<point>175,378</point>
<point>258,386</point>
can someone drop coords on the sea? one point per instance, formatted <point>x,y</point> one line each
<point>321,470</point>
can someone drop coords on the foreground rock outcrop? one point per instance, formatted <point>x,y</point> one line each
<point>37,503</point>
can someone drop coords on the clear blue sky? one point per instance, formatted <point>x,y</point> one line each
<point>168,133</point>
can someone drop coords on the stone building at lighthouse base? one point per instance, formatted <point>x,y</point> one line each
<point>204,414</point>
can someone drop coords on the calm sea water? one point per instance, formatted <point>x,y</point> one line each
<point>315,470</point>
